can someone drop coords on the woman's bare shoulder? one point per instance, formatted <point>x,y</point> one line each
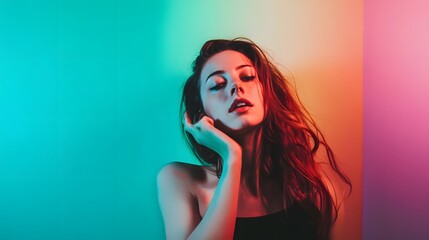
<point>177,198</point>
<point>180,172</point>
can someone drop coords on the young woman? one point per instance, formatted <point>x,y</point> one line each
<point>258,178</point>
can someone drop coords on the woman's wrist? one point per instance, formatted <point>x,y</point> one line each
<point>232,157</point>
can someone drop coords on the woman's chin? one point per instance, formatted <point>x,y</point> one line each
<point>235,129</point>
<point>239,130</point>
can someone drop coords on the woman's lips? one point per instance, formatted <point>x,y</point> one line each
<point>241,109</point>
<point>240,105</point>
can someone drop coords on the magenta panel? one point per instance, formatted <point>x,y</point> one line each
<point>396,120</point>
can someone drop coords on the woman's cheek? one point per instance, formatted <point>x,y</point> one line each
<point>214,112</point>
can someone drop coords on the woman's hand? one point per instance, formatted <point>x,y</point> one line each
<point>219,219</point>
<point>206,134</point>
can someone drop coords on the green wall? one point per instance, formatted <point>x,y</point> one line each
<point>84,124</point>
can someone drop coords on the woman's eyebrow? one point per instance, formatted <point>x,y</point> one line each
<point>218,72</point>
<point>242,66</point>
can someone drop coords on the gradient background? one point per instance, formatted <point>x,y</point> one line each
<point>396,117</point>
<point>89,94</point>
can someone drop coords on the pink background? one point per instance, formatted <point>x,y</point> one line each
<point>396,118</point>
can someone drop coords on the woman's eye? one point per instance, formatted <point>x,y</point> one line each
<point>217,87</point>
<point>248,78</point>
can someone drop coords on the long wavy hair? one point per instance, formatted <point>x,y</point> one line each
<point>290,137</point>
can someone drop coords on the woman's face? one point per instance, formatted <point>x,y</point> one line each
<point>231,91</point>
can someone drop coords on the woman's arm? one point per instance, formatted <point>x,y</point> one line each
<point>178,206</point>
<point>219,219</point>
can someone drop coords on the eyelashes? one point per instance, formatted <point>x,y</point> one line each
<point>248,78</point>
<point>217,87</point>
<point>223,84</point>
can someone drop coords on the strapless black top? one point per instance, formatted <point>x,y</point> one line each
<point>299,221</point>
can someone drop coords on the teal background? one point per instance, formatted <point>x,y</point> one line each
<point>88,115</point>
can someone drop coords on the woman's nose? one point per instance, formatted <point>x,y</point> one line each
<point>236,88</point>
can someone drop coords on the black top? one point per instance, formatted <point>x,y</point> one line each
<point>299,221</point>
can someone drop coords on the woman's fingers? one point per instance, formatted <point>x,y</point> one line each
<point>209,120</point>
<point>186,119</point>
<point>187,124</point>
<point>205,122</point>
<point>200,129</point>
<point>205,133</point>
